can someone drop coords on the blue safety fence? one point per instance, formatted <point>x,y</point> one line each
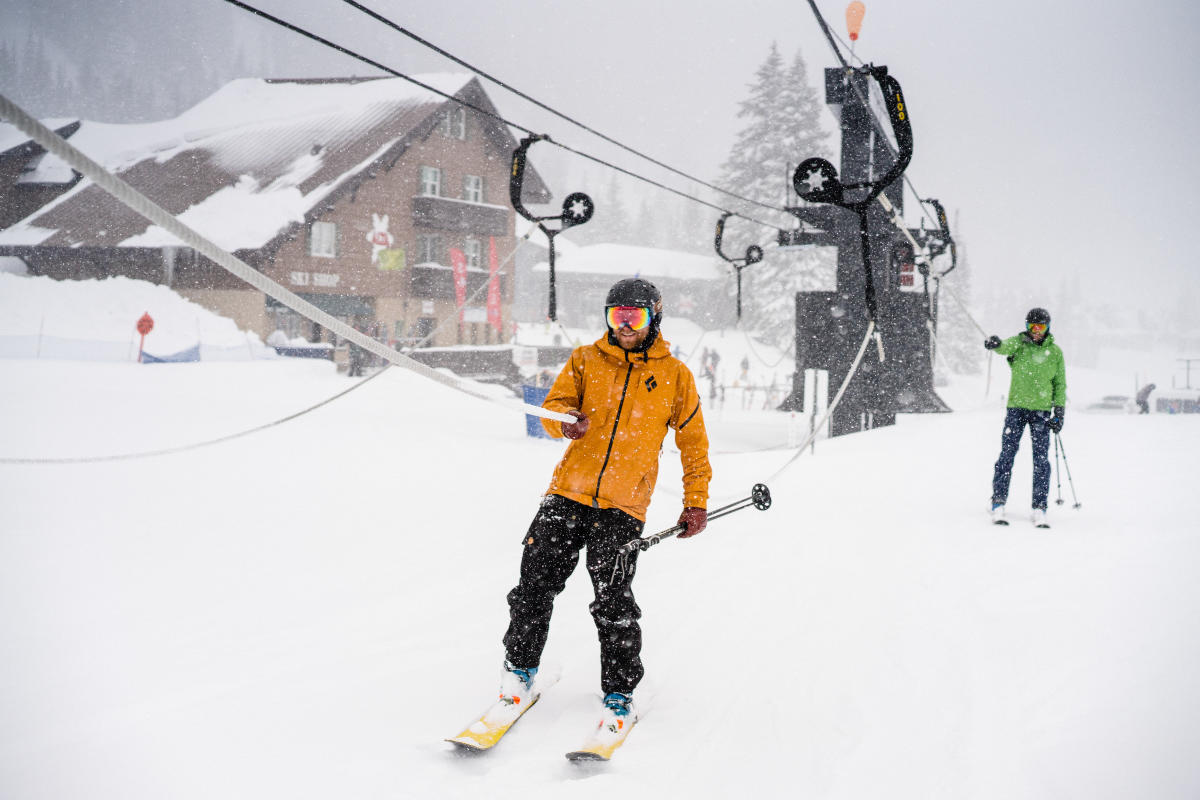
<point>183,356</point>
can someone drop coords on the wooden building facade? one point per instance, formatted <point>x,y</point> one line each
<point>357,194</point>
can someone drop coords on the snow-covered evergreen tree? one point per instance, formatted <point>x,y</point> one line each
<point>783,127</point>
<point>644,227</point>
<point>758,159</point>
<point>960,345</point>
<point>131,63</point>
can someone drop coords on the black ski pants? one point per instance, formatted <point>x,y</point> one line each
<point>559,531</point>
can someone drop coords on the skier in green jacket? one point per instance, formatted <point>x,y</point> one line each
<point>1037,397</point>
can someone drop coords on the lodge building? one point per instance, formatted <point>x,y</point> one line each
<point>360,195</point>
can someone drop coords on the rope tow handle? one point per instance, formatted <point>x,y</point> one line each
<point>936,243</point>
<point>816,180</point>
<point>760,498</point>
<point>754,254</point>
<point>924,252</point>
<point>577,209</point>
<point>938,247</point>
<point>126,194</point>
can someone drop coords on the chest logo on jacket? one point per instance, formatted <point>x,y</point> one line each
<point>651,384</point>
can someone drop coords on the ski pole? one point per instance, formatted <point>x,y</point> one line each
<point>1057,472</point>
<point>1071,483</point>
<point>760,498</point>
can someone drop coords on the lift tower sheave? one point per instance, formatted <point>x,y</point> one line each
<point>831,325</point>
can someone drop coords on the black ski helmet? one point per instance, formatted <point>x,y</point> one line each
<point>641,293</point>
<point>634,292</point>
<point>1038,315</point>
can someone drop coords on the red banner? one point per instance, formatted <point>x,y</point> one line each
<point>493,303</point>
<point>458,262</point>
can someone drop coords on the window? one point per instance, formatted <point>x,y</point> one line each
<point>473,248</point>
<point>322,240</point>
<point>431,181</point>
<point>289,322</point>
<point>454,124</point>
<point>429,246</point>
<point>473,189</point>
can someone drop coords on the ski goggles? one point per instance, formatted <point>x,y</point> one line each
<point>1036,327</point>
<point>635,317</point>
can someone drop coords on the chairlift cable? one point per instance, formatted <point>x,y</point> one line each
<point>966,311</point>
<point>491,115</point>
<point>443,52</point>
<point>787,351</point>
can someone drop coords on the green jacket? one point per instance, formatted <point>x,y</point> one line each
<point>1039,374</point>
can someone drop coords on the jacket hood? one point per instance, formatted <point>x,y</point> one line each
<point>660,348</point>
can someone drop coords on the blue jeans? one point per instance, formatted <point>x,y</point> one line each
<point>1014,425</point>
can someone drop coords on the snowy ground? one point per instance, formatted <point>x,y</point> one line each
<point>306,612</point>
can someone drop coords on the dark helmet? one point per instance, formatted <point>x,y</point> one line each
<point>1038,315</point>
<point>641,293</point>
<point>634,292</point>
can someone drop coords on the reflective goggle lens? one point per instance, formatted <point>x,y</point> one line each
<point>1036,327</point>
<point>635,317</point>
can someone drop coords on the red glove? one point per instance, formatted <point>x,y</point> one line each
<point>575,430</point>
<point>696,520</point>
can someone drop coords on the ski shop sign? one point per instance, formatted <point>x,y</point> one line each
<point>326,279</point>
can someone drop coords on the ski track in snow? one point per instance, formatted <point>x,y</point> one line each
<point>309,611</point>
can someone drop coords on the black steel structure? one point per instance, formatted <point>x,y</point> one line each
<point>830,326</point>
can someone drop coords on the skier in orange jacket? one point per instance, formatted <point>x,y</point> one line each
<point>625,391</point>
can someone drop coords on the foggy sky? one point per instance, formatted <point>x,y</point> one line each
<point>1057,131</point>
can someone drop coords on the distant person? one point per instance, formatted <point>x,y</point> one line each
<point>1037,397</point>
<point>357,359</point>
<point>772,394</point>
<point>1143,398</point>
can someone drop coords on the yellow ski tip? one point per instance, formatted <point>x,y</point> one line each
<point>483,733</point>
<point>603,747</point>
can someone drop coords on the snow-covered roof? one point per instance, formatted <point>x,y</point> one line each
<point>625,259</point>
<point>241,165</point>
<point>12,137</point>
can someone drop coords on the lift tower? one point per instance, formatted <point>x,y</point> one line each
<point>830,326</point>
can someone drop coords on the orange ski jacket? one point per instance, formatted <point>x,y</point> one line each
<point>631,400</point>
